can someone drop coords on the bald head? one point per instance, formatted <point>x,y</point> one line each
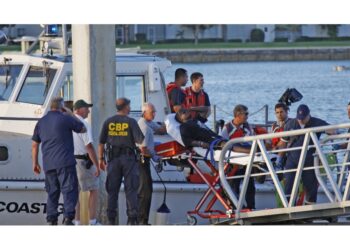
<point>123,105</point>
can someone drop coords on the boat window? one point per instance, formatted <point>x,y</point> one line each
<point>8,78</point>
<point>131,87</point>
<point>36,85</point>
<point>66,91</point>
<point>4,153</point>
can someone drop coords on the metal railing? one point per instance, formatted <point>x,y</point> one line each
<point>333,188</point>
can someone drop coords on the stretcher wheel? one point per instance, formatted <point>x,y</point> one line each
<point>191,220</point>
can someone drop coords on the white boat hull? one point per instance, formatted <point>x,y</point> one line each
<point>24,203</point>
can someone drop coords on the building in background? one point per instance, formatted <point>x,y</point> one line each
<point>19,30</point>
<point>166,33</point>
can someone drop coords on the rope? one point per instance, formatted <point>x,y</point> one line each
<point>254,113</point>
<point>225,112</point>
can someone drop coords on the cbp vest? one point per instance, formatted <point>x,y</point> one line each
<point>193,100</point>
<point>170,88</point>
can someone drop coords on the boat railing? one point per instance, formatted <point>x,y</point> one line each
<point>332,176</point>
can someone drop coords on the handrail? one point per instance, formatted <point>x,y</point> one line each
<point>345,160</point>
<point>336,194</point>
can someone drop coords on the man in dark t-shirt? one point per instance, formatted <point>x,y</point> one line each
<point>54,133</point>
<point>176,94</point>
<point>120,133</point>
<point>303,120</point>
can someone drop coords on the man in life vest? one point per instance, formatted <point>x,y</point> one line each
<point>281,112</point>
<point>197,100</point>
<point>236,128</point>
<point>176,94</point>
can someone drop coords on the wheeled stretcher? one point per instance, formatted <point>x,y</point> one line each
<point>175,151</point>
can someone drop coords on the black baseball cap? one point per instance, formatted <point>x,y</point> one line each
<point>81,104</point>
<point>302,112</point>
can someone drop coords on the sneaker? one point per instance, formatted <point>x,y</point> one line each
<point>96,223</point>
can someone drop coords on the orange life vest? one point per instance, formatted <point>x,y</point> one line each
<point>193,100</point>
<point>245,130</point>
<point>275,129</point>
<point>170,88</point>
<point>234,132</point>
<point>259,130</point>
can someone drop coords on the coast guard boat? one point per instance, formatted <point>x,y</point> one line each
<point>29,81</point>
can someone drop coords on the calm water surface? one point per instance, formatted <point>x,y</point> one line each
<point>257,83</point>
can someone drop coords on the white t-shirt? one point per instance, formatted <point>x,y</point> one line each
<point>82,139</point>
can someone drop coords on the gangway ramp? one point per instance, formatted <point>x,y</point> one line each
<point>332,177</point>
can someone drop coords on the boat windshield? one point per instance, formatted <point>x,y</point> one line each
<point>131,86</point>
<point>8,78</point>
<point>36,85</point>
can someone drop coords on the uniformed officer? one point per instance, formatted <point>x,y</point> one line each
<point>119,134</point>
<point>54,132</point>
<point>302,120</point>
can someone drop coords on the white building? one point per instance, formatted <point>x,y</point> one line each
<point>269,32</point>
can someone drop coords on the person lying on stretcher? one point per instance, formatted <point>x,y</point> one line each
<point>194,133</point>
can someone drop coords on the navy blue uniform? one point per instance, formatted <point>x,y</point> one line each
<point>308,177</point>
<point>177,96</point>
<point>120,133</point>
<point>54,132</point>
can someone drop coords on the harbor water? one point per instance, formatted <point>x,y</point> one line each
<point>255,84</point>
